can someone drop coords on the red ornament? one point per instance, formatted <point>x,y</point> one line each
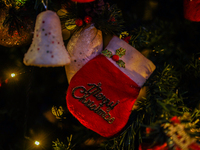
<point>175,120</point>
<point>79,22</point>
<point>148,130</point>
<point>88,19</point>
<point>83,1</point>
<point>192,10</point>
<point>112,19</point>
<point>115,57</point>
<point>127,39</point>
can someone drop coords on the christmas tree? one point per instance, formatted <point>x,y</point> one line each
<point>99,74</point>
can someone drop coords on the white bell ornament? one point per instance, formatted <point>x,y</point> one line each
<point>47,48</point>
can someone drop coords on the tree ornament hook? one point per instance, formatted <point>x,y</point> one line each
<point>45,5</point>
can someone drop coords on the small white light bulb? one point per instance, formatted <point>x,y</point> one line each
<point>37,143</point>
<point>13,75</point>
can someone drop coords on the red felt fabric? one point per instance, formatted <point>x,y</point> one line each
<point>114,86</point>
<point>192,10</point>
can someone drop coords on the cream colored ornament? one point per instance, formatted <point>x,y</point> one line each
<point>47,48</point>
<point>84,45</point>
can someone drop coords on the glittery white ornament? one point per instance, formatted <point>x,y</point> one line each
<point>47,48</point>
<point>82,47</point>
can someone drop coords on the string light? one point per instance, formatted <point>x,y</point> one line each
<point>12,75</point>
<point>37,143</point>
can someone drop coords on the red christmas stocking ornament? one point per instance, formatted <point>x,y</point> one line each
<point>102,93</point>
<point>192,10</point>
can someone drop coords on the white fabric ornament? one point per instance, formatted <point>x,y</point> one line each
<point>82,47</point>
<point>47,48</point>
